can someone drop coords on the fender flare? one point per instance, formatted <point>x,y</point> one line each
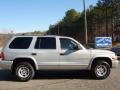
<point>28,57</point>
<point>96,57</point>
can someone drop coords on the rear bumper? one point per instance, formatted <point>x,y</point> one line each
<point>115,63</point>
<point>6,64</point>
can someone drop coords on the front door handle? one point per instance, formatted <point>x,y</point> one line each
<point>62,54</point>
<point>33,53</point>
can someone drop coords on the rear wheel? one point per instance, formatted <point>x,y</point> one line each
<point>24,71</point>
<point>100,70</point>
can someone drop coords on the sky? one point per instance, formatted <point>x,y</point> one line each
<point>30,15</point>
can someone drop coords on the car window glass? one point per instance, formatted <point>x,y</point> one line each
<point>45,43</point>
<point>67,44</point>
<point>20,43</point>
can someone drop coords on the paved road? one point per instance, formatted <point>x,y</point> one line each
<point>61,80</point>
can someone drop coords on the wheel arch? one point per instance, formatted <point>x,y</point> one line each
<point>24,59</point>
<point>97,59</point>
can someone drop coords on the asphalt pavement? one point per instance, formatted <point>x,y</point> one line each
<point>61,80</point>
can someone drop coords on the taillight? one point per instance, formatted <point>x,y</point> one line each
<point>2,56</point>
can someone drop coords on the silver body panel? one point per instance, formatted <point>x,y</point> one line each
<point>51,59</point>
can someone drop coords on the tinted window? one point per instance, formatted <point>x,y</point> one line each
<point>67,44</point>
<point>45,43</point>
<point>21,43</point>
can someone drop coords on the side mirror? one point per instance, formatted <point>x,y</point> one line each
<point>77,47</point>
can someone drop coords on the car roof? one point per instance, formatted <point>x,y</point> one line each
<point>39,36</point>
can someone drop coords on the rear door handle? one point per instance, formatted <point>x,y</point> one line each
<point>34,54</point>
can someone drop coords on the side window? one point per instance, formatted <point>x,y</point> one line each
<point>68,44</point>
<point>45,43</point>
<point>20,43</point>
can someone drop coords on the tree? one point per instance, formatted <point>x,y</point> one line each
<point>71,16</point>
<point>101,21</point>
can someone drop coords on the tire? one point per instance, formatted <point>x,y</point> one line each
<point>24,71</point>
<point>100,70</point>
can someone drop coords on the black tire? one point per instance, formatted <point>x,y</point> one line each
<point>24,71</point>
<point>100,70</point>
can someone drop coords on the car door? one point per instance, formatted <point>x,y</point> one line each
<point>72,56</point>
<point>46,53</point>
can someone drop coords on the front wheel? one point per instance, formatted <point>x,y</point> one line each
<point>24,71</point>
<point>101,70</point>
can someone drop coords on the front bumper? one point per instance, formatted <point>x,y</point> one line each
<point>6,64</point>
<point>115,63</point>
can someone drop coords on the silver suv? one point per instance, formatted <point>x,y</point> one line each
<point>24,55</point>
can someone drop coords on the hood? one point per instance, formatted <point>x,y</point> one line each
<point>97,51</point>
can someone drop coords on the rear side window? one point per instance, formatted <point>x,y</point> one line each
<point>45,43</point>
<point>20,43</point>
